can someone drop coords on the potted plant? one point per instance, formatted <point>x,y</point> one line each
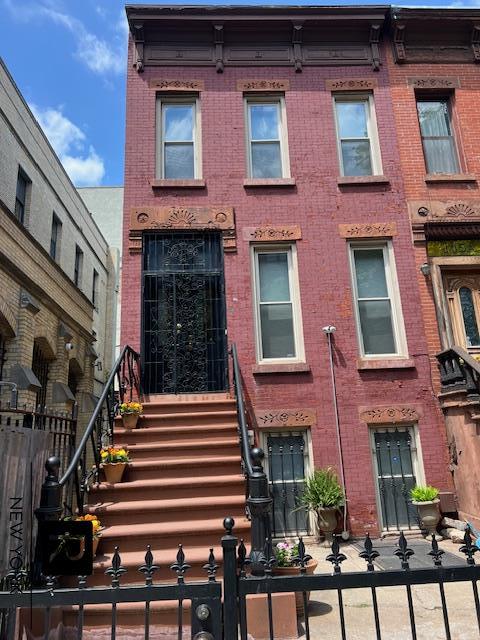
<point>427,502</point>
<point>285,553</point>
<point>323,495</point>
<point>130,412</point>
<point>96,525</point>
<point>114,460</point>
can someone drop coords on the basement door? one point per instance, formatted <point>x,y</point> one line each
<point>184,343</point>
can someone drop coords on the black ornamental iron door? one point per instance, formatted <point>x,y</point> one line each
<point>184,347</point>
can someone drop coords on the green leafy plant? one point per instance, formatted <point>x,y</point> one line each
<point>322,491</point>
<point>424,494</point>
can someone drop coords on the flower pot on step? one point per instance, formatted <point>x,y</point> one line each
<point>295,571</point>
<point>429,514</point>
<point>114,471</point>
<point>130,420</point>
<point>327,523</point>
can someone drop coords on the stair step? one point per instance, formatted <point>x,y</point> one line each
<point>180,467</point>
<point>166,406</point>
<point>172,449</point>
<point>129,437</point>
<point>186,418</point>
<point>219,485</point>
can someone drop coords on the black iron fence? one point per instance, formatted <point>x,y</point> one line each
<point>204,610</point>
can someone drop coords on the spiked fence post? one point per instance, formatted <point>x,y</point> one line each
<point>259,503</point>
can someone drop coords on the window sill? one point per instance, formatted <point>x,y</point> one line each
<point>434,178</point>
<point>197,183</point>
<point>348,181</point>
<point>365,364</point>
<point>269,182</point>
<point>281,367</point>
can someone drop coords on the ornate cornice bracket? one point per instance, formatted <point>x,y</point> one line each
<point>399,43</point>
<point>297,39</point>
<point>218,40</point>
<point>138,35</point>
<point>475,42</point>
<point>375,31</point>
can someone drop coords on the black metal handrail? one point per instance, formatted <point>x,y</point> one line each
<point>258,498</point>
<point>459,371</point>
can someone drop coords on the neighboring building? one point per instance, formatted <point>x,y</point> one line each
<point>55,271</point>
<point>106,206</point>
<point>264,193</point>
<point>435,84</point>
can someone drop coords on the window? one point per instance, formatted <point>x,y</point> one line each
<point>77,270</point>
<point>23,183</point>
<point>377,304</point>
<point>462,289</point>
<point>357,139</point>
<point>278,317</point>
<point>437,139</point>
<point>55,237</point>
<point>178,138</point>
<point>95,288</point>
<point>267,138</point>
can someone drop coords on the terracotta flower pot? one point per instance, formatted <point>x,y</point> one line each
<point>114,471</point>
<point>295,571</point>
<point>130,420</point>
<point>327,523</point>
<point>429,514</point>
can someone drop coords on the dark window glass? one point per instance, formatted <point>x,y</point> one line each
<point>469,317</point>
<point>95,288</point>
<point>77,271</point>
<point>21,195</point>
<point>437,137</point>
<point>55,237</point>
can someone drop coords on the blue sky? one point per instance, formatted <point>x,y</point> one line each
<point>68,59</point>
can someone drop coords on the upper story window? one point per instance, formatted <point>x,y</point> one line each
<point>23,184</point>
<point>377,302</point>
<point>438,141</point>
<point>178,138</point>
<point>357,137</point>
<point>95,288</point>
<point>78,266</point>
<point>277,301</point>
<point>55,237</point>
<point>267,138</point>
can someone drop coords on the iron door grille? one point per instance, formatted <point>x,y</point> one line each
<point>395,477</point>
<point>286,474</point>
<point>40,367</point>
<point>184,346</point>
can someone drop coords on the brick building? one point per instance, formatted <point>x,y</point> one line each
<point>55,272</point>
<point>267,192</point>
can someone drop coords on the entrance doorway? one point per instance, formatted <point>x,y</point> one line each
<point>184,342</point>
<point>462,290</point>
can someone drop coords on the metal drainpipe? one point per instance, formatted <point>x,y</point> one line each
<point>328,331</point>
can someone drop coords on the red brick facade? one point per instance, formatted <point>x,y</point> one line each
<point>317,204</point>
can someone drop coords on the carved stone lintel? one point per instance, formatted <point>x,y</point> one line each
<point>139,43</point>
<point>176,85</point>
<point>434,82</point>
<point>369,230</point>
<point>352,84</point>
<point>422,211</point>
<point>385,414</point>
<point>297,37</point>
<point>268,418</point>
<point>375,31</point>
<point>144,218</point>
<point>476,43</point>
<point>399,43</point>
<point>269,233</point>
<point>218,41</point>
<point>263,85</point>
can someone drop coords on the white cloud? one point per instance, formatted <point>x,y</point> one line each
<point>99,55</point>
<point>84,166</point>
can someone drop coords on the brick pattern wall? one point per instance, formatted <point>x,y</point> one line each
<point>318,205</point>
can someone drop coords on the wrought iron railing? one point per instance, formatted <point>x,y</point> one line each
<point>258,497</point>
<point>459,371</point>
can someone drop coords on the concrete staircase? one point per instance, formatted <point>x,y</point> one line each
<point>184,478</point>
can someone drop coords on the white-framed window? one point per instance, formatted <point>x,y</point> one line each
<point>178,138</point>
<point>357,136</point>
<point>398,467</point>
<point>278,320</point>
<point>378,312</point>
<point>267,142</point>
<point>438,141</point>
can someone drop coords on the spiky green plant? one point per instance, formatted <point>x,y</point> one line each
<point>424,494</point>
<point>322,491</point>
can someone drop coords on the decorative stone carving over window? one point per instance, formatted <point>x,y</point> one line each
<point>286,418</point>
<point>263,85</point>
<point>453,210</point>
<point>434,83</point>
<point>357,84</point>
<point>272,234</point>
<point>374,230</point>
<point>389,414</point>
<point>177,85</point>
<point>144,218</point>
